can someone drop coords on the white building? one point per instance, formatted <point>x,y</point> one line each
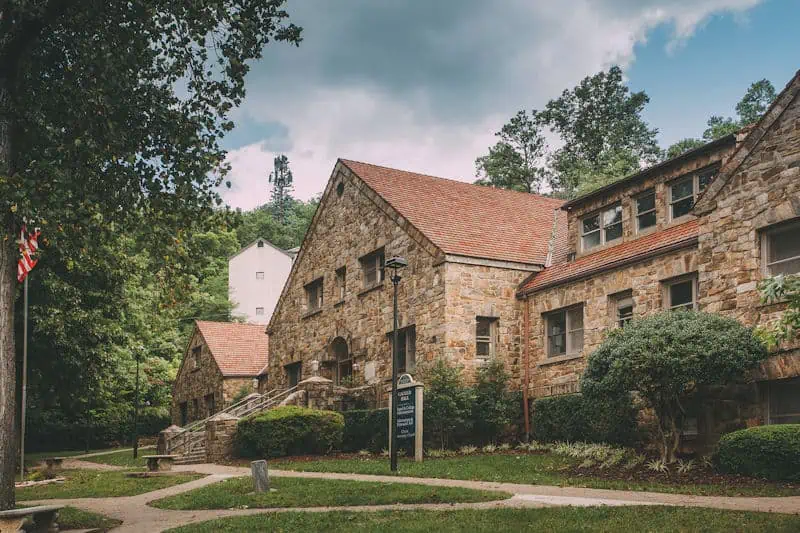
<point>255,279</point>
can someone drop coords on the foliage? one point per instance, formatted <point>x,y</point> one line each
<point>447,402</point>
<point>281,180</point>
<point>242,393</point>
<point>574,417</point>
<point>261,222</point>
<point>781,289</point>
<point>666,358</point>
<point>754,103</point>
<point>683,146</point>
<point>718,127</point>
<point>365,429</point>
<point>494,408</point>
<point>771,452</point>
<point>517,161</point>
<point>289,430</point>
<point>600,122</point>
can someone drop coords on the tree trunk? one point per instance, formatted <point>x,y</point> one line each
<point>8,373</point>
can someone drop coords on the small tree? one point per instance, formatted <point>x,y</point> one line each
<point>281,179</point>
<point>447,401</point>
<point>666,358</point>
<point>778,289</point>
<point>494,408</point>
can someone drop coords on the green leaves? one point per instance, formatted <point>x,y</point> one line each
<point>775,290</point>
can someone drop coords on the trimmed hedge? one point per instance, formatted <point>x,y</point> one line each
<point>366,429</point>
<point>573,418</point>
<point>771,452</point>
<point>289,430</point>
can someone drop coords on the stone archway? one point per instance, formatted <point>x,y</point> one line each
<point>343,360</point>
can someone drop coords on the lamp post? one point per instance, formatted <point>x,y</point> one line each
<point>136,407</point>
<point>395,263</point>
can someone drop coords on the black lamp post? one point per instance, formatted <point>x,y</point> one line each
<point>395,263</point>
<point>136,408</point>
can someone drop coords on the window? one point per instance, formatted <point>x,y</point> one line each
<point>195,357</point>
<point>784,401</point>
<point>260,244</point>
<point>259,275</point>
<point>681,293</point>
<point>195,409</point>
<point>564,332</point>
<point>782,249</point>
<point>340,189</point>
<point>341,282</point>
<point>293,373</point>
<point>259,311</point>
<point>623,308</point>
<point>344,360</point>
<point>646,210</point>
<point>372,268</point>
<point>184,407</point>
<point>602,227</point>
<point>211,404</point>
<point>314,295</point>
<point>485,335</point>
<point>407,351</point>
<point>684,192</point>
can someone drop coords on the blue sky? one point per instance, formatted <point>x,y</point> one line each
<point>424,85</point>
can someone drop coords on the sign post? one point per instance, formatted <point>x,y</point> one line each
<point>409,413</point>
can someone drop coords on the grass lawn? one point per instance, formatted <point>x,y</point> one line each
<point>122,458</point>
<point>532,469</point>
<point>557,519</point>
<point>96,484</point>
<point>72,518</point>
<point>299,492</point>
<point>32,459</point>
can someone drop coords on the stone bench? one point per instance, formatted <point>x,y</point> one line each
<point>54,464</point>
<point>39,519</point>
<point>159,463</point>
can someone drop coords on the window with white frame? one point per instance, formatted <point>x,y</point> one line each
<point>784,401</point>
<point>781,246</point>
<point>602,227</point>
<point>485,337</point>
<point>372,267</point>
<point>646,210</point>
<point>314,298</point>
<point>259,311</point>
<point>564,331</point>
<point>681,293</point>
<point>259,275</point>
<point>683,192</point>
<point>196,357</point>
<point>623,308</point>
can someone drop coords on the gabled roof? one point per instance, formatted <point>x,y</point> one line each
<point>265,241</point>
<point>465,219</point>
<point>672,238</point>
<point>740,154</point>
<point>239,349</point>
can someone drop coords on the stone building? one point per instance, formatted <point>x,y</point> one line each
<point>537,282</point>
<point>256,275</point>
<point>223,361</point>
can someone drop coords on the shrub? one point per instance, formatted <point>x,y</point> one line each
<point>495,408</point>
<point>366,429</point>
<point>771,452</point>
<point>666,358</point>
<point>447,403</point>
<point>289,430</point>
<point>574,417</point>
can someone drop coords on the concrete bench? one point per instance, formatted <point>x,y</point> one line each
<point>54,464</point>
<point>40,519</point>
<point>159,463</point>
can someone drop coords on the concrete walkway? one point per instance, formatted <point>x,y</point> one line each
<point>138,516</point>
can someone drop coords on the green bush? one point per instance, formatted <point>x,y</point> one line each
<point>573,417</point>
<point>289,430</point>
<point>771,452</point>
<point>366,429</point>
<point>495,410</point>
<point>448,404</point>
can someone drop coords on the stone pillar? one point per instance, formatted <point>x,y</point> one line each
<point>220,431</point>
<point>163,436</point>
<point>319,392</point>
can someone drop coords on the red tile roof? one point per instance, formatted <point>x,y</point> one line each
<point>465,219</point>
<point>239,349</point>
<point>637,249</point>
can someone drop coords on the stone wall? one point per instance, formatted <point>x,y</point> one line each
<point>192,384</point>
<point>232,387</point>
<point>220,433</point>
<point>559,375</point>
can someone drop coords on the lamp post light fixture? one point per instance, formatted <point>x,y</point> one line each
<point>395,263</point>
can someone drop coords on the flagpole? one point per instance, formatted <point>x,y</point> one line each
<point>24,382</point>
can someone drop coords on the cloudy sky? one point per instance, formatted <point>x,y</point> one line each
<point>423,84</point>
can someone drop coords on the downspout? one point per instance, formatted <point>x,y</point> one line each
<point>526,375</point>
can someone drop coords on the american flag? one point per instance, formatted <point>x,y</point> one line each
<point>28,246</point>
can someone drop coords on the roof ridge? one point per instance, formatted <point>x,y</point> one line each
<point>453,180</point>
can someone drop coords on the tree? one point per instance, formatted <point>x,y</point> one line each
<point>517,161</point>
<point>754,103</point>
<point>683,146</point>
<point>599,120</point>
<point>666,358</point>
<point>494,407</point>
<point>281,179</point>
<point>786,289</point>
<point>447,401</point>
<point>261,222</point>
<point>719,127</point>
<point>110,119</point>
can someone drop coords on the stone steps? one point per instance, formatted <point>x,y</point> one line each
<point>196,457</point>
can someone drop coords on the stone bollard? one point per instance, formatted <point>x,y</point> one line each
<point>260,476</point>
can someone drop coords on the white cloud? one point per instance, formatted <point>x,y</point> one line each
<point>371,114</point>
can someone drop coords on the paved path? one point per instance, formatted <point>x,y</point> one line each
<point>137,516</point>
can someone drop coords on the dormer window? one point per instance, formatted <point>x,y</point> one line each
<point>683,192</point>
<point>602,228</point>
<point>260,244</point>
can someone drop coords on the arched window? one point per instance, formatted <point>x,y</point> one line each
<point>344,360</point>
